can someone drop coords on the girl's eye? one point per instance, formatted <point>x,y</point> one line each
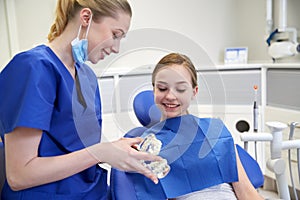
<point>181,90</point>
<point>162,89</point>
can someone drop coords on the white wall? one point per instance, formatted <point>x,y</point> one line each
<point>209,23</point>
<point>212,24</point>
<point>250,27</point>
<point>215,24</point>
<point>23,24</point>
<point>4,40</point>
<point>34,18</point>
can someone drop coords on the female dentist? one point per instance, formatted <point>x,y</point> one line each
<point>50,118</point>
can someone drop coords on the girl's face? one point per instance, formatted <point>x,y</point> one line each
<point>104,37</point>
<point>173,91</point>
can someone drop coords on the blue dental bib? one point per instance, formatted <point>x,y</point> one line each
<point>200,152</point>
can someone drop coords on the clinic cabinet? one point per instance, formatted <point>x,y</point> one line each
<point>216,87</point>
<point>283,88</point>
<point>228,87</point>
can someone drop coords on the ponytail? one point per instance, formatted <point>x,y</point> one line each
<point>65,10</point>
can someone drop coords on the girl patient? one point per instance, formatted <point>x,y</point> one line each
<point>200,151</point>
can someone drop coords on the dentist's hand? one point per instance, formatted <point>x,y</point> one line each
<point>120,154</point>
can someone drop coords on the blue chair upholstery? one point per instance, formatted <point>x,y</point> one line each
<point>145,109</point>
<point>251,167</point>
<point>121,187</point>
<point>148,114</point>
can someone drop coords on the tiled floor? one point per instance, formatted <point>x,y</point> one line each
<point>268,195</point>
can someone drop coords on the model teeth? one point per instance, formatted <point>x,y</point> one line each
<point>153,146</point>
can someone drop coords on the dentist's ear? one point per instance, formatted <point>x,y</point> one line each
<point>195,92</point>
<point>85,16</point>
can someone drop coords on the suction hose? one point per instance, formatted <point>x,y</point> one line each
<point>291,135</point>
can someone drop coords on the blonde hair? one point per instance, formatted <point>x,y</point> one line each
<point>67,9</point>
<point>178,59</point>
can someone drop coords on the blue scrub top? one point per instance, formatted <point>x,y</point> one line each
<point>38,91</point>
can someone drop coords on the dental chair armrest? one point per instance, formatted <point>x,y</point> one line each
<point>247,137</point>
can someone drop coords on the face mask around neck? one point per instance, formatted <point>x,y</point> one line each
<point>80,47</point>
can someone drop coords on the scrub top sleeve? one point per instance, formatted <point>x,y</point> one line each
<point>30,92</point>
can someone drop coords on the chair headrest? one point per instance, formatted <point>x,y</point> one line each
<point>145,109</point>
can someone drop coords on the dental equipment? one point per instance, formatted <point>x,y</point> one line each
<point>292,129</point>
<point>255,118</point>
<point>276,164</point>
<point>283,49</point>
<point>255,110</point>
<point>269,13</point>
<point>286,47</point>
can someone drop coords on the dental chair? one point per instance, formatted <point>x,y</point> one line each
<point>148,114</point>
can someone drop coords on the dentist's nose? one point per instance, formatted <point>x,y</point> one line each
<point>116,46</point>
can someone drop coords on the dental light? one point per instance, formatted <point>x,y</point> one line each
<point>281,48</point>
